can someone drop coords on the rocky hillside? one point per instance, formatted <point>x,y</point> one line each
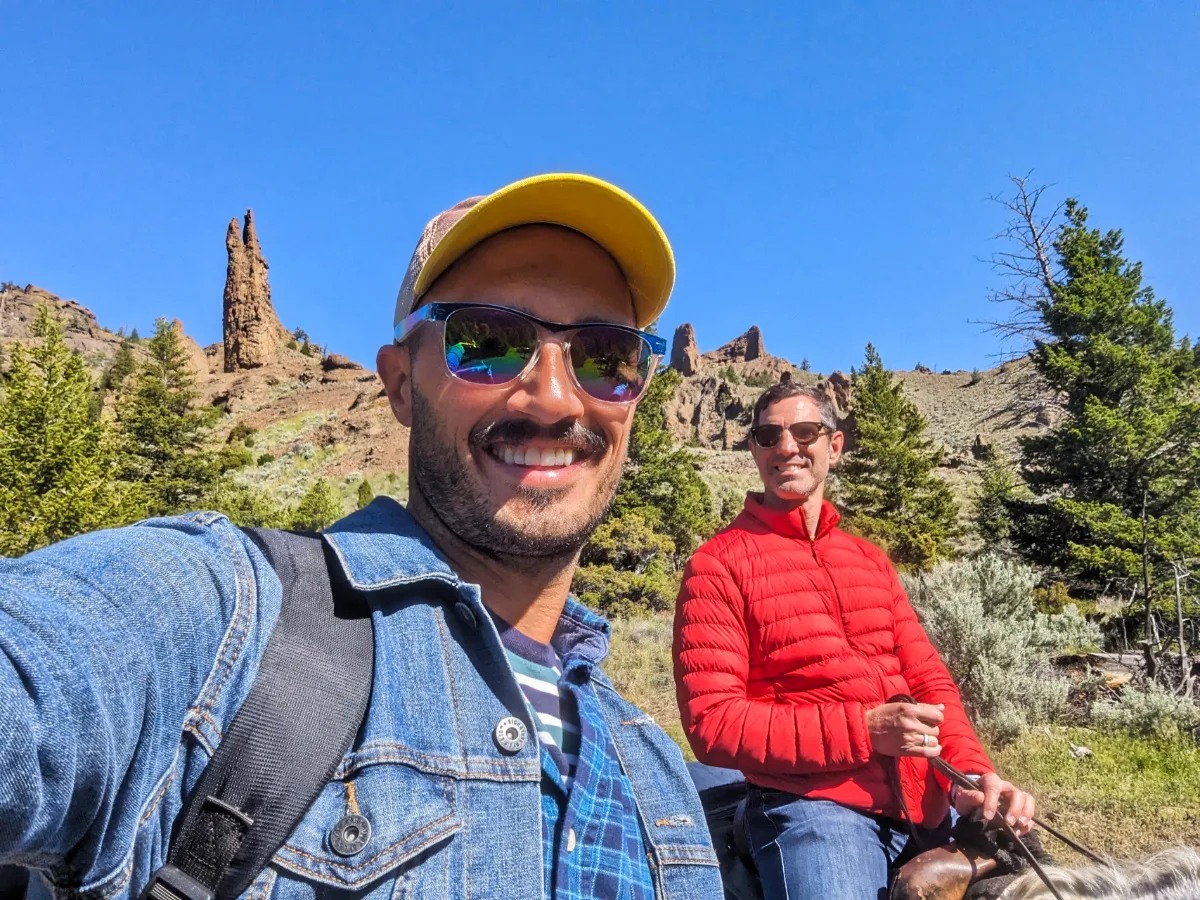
<point>324,415</point>
<point>712,408</point>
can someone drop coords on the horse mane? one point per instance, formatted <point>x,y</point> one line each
<point>1169,875</point>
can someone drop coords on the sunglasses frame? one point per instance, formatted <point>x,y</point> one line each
<point>440,312</point>
<point>822,428</point>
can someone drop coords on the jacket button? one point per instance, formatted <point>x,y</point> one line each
<point>511,734</point>
<point>465,614</point>
<point>349,835</point>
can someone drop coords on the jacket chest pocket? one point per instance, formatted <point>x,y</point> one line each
<point>383,831</point>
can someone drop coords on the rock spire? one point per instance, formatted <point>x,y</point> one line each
<point>253,334</point>
<point>685,355</point>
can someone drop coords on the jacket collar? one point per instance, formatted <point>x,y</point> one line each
<point>790,523</point>
<point>382,546</point>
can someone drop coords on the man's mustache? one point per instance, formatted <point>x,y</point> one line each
<point>520,431</point>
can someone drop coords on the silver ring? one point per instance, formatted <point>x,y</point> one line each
<point>924,740</point>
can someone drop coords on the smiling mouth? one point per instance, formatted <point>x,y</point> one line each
<point>791,468</point>
<point>536,457</point>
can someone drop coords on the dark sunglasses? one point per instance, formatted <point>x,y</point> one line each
<point>804,433</point>
<point>494,345</point>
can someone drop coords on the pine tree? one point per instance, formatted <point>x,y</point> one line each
<point>1116,483</point>
<point>660,510</point>
<point>56,460</point>
<point>121,367</point>
<point>997,490</point>
<point>318,508</point>
<point>660,481</point>
<point>887,486</point>
<point>164,452</point>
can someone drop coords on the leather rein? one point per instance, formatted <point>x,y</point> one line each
<point>963,781</point>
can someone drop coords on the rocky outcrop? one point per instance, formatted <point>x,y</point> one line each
<point>745,348</point>
<point>253,334</point>
<point>839,389</point>
<point>195,355</point>
<point>336,361</point>
<point>685,355</point>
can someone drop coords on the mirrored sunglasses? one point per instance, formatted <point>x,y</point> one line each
<point>493,345</point>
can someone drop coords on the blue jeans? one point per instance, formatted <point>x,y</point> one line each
<point>808,849</point>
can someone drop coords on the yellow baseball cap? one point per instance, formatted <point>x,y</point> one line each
<point>596,209</point>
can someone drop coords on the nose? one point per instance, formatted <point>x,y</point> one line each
<point>547,392</point>
<point>788,445</point>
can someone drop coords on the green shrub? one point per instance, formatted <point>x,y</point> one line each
<point>1148,710</point>
<point>760,380</point>
<point>319,507</point>
<point>365,494</point>
<point>265,458</point>
<point>981,617</point>
<point>1052,598</point>
<point>236,457</point>
<point>243,433</point>
<point>616,593</point>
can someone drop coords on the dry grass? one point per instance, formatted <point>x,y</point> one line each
<point>1130,797</point>
<point>639,664</point>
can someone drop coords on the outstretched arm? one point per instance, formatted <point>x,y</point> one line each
<point>107,650</point>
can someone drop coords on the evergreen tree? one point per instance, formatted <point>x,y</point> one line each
<point>365,494</point>
<point>1116,483</point>
<point>661,508</point>
<point>164,455</point>
<point>121,367</point>
<point>662,482</point>
<point>997,491</point>
<point>56,461</point>
<point>887,486</point>
<point>319,508</point>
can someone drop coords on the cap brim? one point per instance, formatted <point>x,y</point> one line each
<point>595,208</point>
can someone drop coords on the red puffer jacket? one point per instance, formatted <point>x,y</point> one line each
<point>782,645</point>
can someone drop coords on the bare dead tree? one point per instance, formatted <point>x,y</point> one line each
<point>1027,275</point>
<point>1181,573</point>
<point>1026,270</point>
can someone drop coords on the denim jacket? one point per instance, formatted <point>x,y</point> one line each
<point>124,654</point>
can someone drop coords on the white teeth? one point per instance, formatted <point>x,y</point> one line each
<point>559,456</point>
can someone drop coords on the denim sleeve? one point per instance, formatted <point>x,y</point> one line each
<point>112,646</point>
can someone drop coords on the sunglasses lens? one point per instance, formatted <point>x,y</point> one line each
<point>768,435</point>
<point>488,346</point>
<point>610,364</point>
<point>806,433</point>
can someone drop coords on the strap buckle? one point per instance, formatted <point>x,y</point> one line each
<point>169,883</point>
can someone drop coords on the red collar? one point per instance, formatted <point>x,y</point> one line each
<point>790,523</point>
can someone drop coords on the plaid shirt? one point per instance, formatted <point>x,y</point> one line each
<point>592,837</point>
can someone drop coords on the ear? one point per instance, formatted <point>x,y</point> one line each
<point>395,371</point>
<point>836,441</point>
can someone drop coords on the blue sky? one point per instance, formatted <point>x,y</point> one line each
<point>822,170</point>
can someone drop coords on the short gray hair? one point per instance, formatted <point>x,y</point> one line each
<point>786,389</point>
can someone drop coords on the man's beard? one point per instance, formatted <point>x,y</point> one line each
<point>463,505</point>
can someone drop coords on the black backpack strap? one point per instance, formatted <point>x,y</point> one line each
<point>287,739</point>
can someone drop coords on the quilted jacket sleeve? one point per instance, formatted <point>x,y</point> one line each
<point>930,682</point>
<point>724,726</point>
